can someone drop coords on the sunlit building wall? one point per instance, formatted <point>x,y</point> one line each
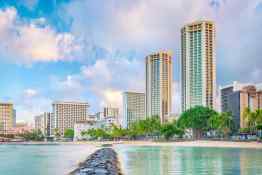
<point>198,65</point>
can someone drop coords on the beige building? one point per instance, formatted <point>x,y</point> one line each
<point>249,98</point>
<point>65,114</point>
<point>159,85</point>
<point>133,108</point>
<point>7,115</point>
<point>237,101</point>
<point>198,65</point>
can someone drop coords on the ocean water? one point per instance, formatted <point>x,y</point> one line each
<point>135,160</point>
<point>168,160</point>
<point>41,159</point>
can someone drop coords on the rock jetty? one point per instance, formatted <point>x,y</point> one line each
<point>103,162</point>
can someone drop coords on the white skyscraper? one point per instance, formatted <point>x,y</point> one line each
<point>159,85</point>
<point>198,65</point>
<point>133,108</point>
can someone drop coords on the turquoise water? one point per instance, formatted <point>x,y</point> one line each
<point>136,160</point>
<point>148,160</point>
<point>41,159</point>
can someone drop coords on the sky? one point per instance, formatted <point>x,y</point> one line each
<point>94,50</point>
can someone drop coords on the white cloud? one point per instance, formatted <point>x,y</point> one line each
<point>31,102</point>
<point>29,93</point>
<point>69,88</point>
<point>150,25</point>
<point>108,78</point>
<point>35,41</point>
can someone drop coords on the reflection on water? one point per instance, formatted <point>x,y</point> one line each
<point>156,160</point>
<point>41,159</point>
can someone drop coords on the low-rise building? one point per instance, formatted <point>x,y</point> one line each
<point>82,126</point>
<point>99,116</point>
<point>22,127</point>
<point>238,101</point>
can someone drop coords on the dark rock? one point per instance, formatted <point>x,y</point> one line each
<point>102,162</point>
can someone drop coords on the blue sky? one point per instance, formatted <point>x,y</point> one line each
<point>93,50</point>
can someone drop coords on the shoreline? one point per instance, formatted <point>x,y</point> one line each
<point>198,143</point>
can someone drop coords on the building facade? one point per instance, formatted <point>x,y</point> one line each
<point>226,91</point>
<point>99,116</point>
<point>159,85</point>
<point>198,65</point>
<point>43,123</point>
<point>133,108</point>
<point>82,126</point>
<point>65,114</point>
<point>6,118</point>
<point>238,101</point>
<point>110,112</point>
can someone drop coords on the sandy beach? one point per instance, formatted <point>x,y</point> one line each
<point>218,144</point>
<point>199,143</point>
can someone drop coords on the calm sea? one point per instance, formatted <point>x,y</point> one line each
<point>136,160</point>
<point>159,160</point>
<point>41,159</point>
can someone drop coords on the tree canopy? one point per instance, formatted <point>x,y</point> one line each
<point>196,118</point>
<point>69,133</point>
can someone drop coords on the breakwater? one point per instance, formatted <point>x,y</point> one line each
<point>103,162</point>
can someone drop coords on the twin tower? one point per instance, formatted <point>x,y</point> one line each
<point>198,72</point>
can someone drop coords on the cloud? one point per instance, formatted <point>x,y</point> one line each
<point>108,78</point>
<point>29,93</point>
<point>31,102</point>
<point>149,25</point>
<point>33,41</point>
<point>69,88</point>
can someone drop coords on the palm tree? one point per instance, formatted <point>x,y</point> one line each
<point>252,119</point>
<point>226,123</point>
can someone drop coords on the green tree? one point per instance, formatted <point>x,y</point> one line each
<point>117,132</point>
<point>226,124</point>
<point>98,133</point>
<point>196,119</point>
<point>223,123</point>
<point>168,130</point>
<point>69,133</point>
<point>253,119</point>
<point>35,135</point>
<point>57,133</point>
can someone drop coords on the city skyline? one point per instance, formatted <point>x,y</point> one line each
<point>65,64</point>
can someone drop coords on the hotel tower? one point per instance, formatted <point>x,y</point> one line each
<point>159,85</point>
<point>198,65</point>
<point>66,114</point>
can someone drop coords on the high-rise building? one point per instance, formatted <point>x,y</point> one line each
<point>6,118</point>
<point>238,101</point>
<point>39,123</point>
<point>133,108</point>
<point>65,114</point>
<point>198,65</point>
<point>113,113</point>
<point>43,123</point>
<point>159,85</point>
